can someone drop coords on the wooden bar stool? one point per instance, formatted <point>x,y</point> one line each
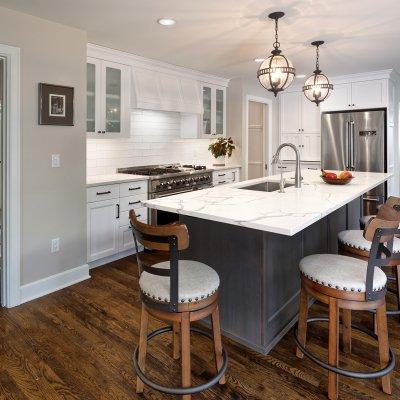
<point>177,292</point>
<point>349,283</point>
<point>353,244</point>
<point>391,201</point>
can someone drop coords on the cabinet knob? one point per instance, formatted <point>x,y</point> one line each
<point>353,105</point>
<point>103,131</point>
<point>98,131</point>
<point>349,105</point>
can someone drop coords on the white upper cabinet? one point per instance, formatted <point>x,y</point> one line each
<point>107,94</point>
<point>214,111</point>
<point>357,95</point>
<point>290,112</point>
<point>369,94</point>
<point>155,90</point>
<point>310,147</point>
<point>298,114</point>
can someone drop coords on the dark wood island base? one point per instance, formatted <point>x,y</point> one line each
<point>259,273</point>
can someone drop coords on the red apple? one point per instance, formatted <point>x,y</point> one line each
<point>330,175</point>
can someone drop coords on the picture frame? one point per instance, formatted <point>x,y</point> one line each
<point>56,105</point>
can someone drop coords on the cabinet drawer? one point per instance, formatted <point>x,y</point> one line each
<point>131,202</point>
<point>226,176</point>
<point>98,193</point>
<point>141,214</point>
<point>223,182</point>
<point>133,188</point>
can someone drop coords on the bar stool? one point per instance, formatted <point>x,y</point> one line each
<point>353,244</point>
<point>177,292</point>
<point>350,284</point>
<point>391,201</point>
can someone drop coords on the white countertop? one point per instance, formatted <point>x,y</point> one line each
<point>98,180</point>
<point>284,213</point>
<point>223,167</point>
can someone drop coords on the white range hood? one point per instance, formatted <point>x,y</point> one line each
<point>156,90</point>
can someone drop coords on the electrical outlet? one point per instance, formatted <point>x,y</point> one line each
<point>55,160</point>
<point>55,245</point>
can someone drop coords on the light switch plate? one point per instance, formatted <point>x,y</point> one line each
<point>55,245</point>
<point>55,160</point>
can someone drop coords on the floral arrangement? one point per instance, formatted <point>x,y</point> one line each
<point>222,147</point>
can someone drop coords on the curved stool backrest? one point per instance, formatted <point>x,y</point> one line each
<point>172,238</point>
<point>381,233</point>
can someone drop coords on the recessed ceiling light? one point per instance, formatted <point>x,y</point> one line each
<point>259,60</point>
<point>166,21</point>
<point>300,76</point>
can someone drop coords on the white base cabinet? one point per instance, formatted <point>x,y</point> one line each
<point>225,176</point>
<point>108,226</point>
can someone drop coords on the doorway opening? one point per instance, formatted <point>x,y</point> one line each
<point>257,140</point>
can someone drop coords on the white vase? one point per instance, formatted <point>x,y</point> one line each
<point>219,161</point>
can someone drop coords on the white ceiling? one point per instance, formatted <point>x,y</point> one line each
<point>223,37</point>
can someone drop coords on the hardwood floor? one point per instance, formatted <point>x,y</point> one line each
<point>77,344</point>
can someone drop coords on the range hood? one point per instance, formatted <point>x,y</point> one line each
<point>156,90</point>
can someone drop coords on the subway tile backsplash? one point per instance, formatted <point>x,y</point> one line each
<point>155,139</point>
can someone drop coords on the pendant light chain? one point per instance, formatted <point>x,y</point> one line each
<point>317,61</point>
<point>276,44</point>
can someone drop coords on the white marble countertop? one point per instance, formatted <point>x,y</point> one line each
<point>97,180</point>
<point>283,213</point>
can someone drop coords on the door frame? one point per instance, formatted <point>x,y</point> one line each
<point>11,271</point>
<point>267,134</point>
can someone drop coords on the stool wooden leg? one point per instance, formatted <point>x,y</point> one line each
<point>346,331</point>
<point>333,353</point>
<point>383,341</point>
<point>302,325</point>
<point>398,285</point>
<point>185,352</point>
<point>175,341</point>
<point>217,342</point>
<point>144,319</point>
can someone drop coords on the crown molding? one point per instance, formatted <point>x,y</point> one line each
<point>133,60</point>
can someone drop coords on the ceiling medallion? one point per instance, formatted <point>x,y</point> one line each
<point>317,87</point>
<point>276,73</point>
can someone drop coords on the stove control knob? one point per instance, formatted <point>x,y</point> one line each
<point>202,178</point>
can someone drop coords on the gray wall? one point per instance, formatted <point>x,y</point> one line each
<point>53,200</point>
<point>238,89</point>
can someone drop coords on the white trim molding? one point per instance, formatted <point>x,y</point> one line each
<point>105,53</point>
<point>11,178</point>
<point>53,283</point>
<point>267,130</point>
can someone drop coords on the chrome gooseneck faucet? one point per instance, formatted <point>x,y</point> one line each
<point>275,158</point>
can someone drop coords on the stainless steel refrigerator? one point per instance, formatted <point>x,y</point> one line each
<point>356,141</point>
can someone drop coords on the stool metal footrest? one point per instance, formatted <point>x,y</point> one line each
<point>179,390</point>
<point>352,374</point>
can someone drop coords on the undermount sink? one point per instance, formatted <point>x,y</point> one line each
<point>266,186</point>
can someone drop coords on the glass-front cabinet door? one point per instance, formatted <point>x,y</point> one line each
<point>107,94</point>
<point>219,111</point>
<point>214,111</point>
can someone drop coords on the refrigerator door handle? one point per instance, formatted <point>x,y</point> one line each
<point>352,142</point>
<point>348,145</point>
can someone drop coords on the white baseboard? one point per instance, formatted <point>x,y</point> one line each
<point>53,283</point>
<point>114,257</point>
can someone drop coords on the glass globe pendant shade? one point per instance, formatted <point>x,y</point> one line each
<point>317,88</point>
<point>276,73</point>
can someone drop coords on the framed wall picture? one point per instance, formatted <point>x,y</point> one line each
<point>56,105</point>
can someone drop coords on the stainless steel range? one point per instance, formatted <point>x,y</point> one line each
<point>166,180</point>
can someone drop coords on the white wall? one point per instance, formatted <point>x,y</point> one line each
<point>154,139</point>
<point>53,200</point>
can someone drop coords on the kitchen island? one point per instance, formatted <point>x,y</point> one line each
<point>254,237</point>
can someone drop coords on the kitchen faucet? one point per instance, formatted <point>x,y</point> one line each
<point>275,158</point>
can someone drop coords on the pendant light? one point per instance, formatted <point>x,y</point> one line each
<point>317,87</point>
<point>276,73</point>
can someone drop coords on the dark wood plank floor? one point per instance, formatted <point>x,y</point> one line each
<point>77,344</point>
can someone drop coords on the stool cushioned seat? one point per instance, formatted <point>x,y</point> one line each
<point>197,281</point>
<point>355,238</point>
<point>340,272</point>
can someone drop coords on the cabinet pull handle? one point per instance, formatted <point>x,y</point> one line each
<point>312,168</point>
<point>221,174</point>
<point>134,202</point>
<point>282,167</point>
<point>100,193</point>
<point>221,182</point>
<point>117,211</point>
<point>135,188</point>
<point>137,216</point>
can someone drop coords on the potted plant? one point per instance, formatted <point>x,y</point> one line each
<point>221,148</point>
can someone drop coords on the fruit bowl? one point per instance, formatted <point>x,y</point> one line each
<point>336,181</point>
<point>332,178</point>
